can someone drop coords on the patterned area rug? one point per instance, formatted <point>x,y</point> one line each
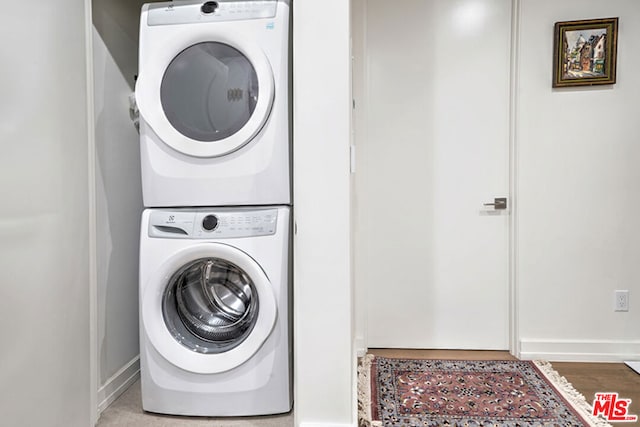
<point>412,393</point>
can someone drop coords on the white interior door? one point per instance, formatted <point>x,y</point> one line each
<point>434,149</point>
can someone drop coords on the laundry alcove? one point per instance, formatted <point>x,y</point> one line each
<point>72,203</point>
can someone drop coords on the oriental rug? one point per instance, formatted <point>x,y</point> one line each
<point>469,393</point>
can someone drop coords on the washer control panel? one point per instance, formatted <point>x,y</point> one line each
<point>168,13</point>
<point>215,224</point>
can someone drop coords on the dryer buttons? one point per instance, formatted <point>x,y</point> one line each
<point>210,222</point>
<point>209,7</point>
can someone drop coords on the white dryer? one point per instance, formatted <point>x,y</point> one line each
<point>213,96</point>
<point>215,328</point>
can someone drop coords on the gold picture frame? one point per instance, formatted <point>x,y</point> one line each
<point>585,52</point>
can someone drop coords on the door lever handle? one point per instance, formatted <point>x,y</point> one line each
<point>499,203</point>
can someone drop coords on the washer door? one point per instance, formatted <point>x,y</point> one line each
<point>209,308</point>
<point>206,95</point>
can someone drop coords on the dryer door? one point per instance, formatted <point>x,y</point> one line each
<point>209,309</point>
<point>207,97</point>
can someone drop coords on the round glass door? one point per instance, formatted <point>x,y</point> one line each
<point>210,305</point>
<point>205,92</point>
<point>208,308</point>
<point>209,91</point>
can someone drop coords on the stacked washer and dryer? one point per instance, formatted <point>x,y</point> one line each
<point>215,294</point>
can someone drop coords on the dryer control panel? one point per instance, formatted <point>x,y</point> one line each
<point>212,224</point>
<point>209,11</point>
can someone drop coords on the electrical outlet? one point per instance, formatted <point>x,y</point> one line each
<point>621,301</point>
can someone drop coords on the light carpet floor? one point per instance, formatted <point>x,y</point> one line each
<point>127,411</point>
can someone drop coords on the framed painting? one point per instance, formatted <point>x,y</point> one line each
<point>585,52</point>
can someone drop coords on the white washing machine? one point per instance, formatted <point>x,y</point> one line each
<point>213,96</point>
<point>215,329</point>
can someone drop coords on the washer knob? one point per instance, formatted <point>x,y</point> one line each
<point>209,7</point>
<point>210,222</point>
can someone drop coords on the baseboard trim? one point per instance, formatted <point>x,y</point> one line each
<point>579,351</point>
<point>118,383</point>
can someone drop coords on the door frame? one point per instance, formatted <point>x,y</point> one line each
<point>514,324</point>
<point>360,116</point>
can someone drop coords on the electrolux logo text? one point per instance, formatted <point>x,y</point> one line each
<point>613,408</point>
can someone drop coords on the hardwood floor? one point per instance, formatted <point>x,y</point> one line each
<point>587,378</point>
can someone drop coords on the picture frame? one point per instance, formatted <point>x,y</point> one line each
<point>585,52</point>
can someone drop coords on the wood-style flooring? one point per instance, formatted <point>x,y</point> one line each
<point>587,378</point>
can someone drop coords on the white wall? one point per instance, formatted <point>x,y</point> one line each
<point>324,360</point>
<point>118,194</point>
<point>44,220</point>
<point>578,193</point>
<point>359,114</point>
